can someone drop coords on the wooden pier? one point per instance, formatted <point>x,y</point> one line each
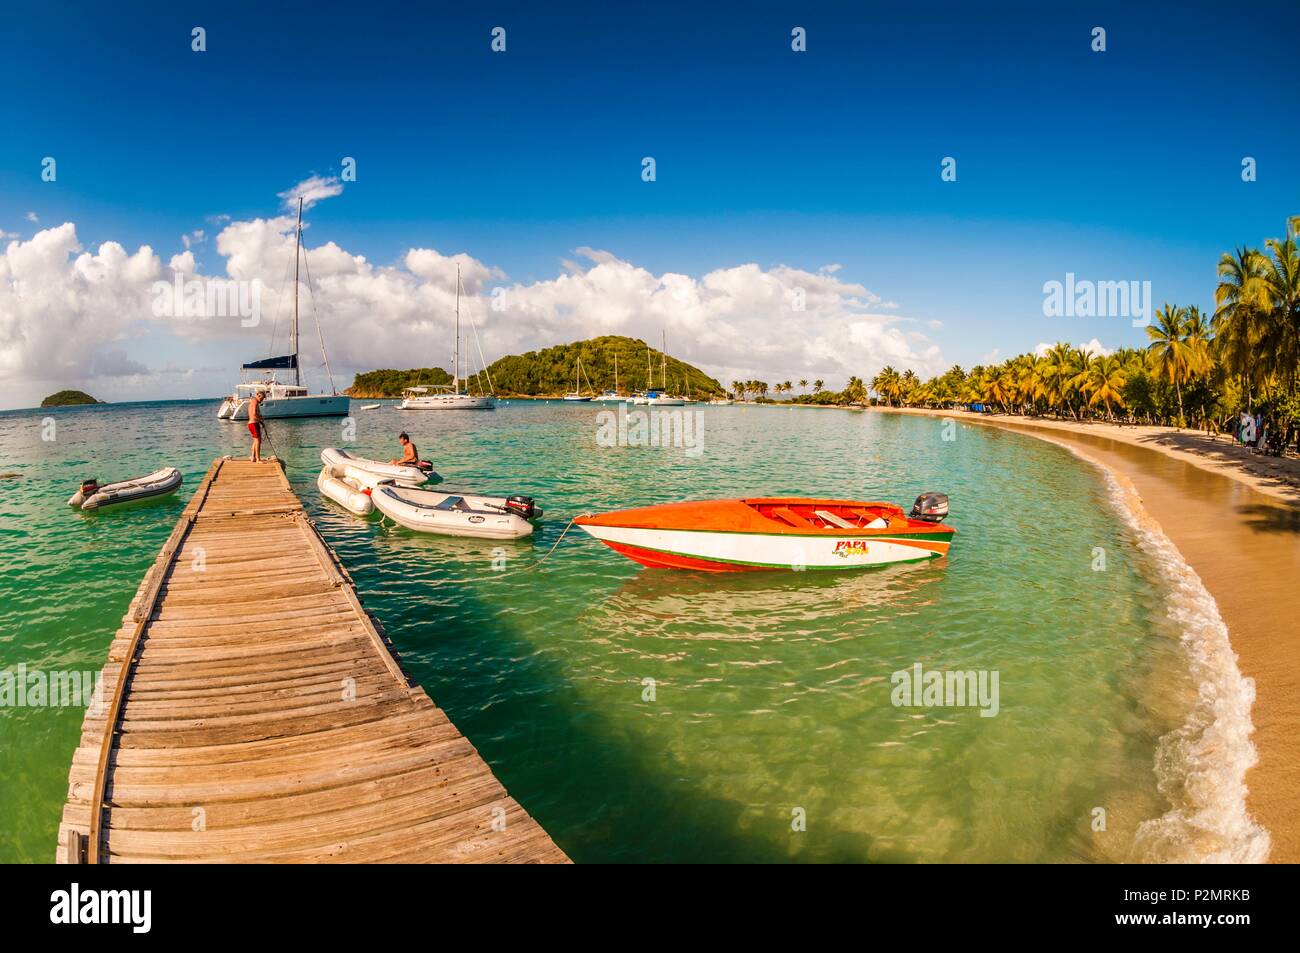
<point>252,711</point>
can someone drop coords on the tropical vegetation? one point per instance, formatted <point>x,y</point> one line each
<point>552,372</point>
<point>1196,370</point>
<point>68,398</point>
<point>391,383</point>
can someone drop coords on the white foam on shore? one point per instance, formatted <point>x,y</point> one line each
<point>1201,766</point>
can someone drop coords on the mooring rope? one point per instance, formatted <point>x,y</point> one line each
<point>557,543</point>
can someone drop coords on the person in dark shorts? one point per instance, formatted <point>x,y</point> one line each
<point>255,425</point>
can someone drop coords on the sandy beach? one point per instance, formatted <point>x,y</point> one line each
<point>1235,517</point>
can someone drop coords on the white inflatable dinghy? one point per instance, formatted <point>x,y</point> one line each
<point>92,496</point>
<point>373,471</point>
<point>456,514</point>
<point>348,492</point>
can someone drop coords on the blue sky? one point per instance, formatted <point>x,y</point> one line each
<point>1117,165</point>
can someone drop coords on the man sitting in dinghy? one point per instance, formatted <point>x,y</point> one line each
<point>410,455</point>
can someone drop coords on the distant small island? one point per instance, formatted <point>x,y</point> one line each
<point>551,372</point>
<point>391,383</point>
<point>68,398</point>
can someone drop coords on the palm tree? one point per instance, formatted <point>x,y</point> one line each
<point>803,385</point>
<point>887,384</point>
<point>817,386</point>
<point>1105,382</point>
<point>1281,282</point>
<point>1241,302</point>
<point>1173,354</point>
<point>1200,338</point>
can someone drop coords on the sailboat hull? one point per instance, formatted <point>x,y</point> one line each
<point>448,402</point>
<point>278,408</point>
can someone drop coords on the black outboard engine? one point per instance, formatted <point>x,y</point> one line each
<point>89,487</point>
<point>931,507</point>
<point>521,506</point>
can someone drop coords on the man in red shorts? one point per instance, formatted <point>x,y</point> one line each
<point>255,425</point>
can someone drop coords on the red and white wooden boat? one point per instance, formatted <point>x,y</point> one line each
<point>776,533</point>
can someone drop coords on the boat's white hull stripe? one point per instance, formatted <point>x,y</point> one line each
<point>813,552</point>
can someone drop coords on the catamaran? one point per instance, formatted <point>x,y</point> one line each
<point>450,396</point>
<point>284,399</point>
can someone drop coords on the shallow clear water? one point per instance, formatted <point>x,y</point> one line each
<point>771,692</point>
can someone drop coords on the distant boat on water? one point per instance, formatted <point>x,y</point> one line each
<point>449,397</point>
<point>656,397</point>
<point>613,396</point>
<point>576,394</point>
<point>283,399</point>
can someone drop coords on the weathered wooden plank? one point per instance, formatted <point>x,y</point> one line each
<point>248,681</point>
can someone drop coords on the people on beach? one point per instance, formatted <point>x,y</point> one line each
<point>255,425</point>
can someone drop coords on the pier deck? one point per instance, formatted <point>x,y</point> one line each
<point>252,711</point>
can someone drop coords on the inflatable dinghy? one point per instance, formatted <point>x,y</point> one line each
<point>456,514</point>
<point>348,492</point>
<point>372,472</point>
<point>92,496</point>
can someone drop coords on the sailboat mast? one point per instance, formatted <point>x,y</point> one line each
<point>663,355</point>
<point>455,359</point>
<point>293,334</point>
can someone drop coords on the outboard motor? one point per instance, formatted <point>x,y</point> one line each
<point>89,487</point>
<point>521,506</point>
<point>931,507</point>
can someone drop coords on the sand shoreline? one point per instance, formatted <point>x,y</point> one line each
<point>1235,519</point>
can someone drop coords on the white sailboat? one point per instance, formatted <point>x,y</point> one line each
<point>450,396</point>
<point>577,394</point>
<point>644,398</point>
<point>659,398</point>
<point>613,396</point>
<point>283,399</point>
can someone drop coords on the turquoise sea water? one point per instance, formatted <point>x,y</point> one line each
<point>771,691</point>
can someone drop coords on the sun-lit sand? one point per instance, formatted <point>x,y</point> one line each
<point>1235,517</point>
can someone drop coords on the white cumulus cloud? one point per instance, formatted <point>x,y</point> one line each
<point>1093,347</point>
<point>76,317</point>
<point>311,190</point>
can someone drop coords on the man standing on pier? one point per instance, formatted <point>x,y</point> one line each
<point>255,425</point>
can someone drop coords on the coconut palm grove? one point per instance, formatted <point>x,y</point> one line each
<point>1198,370</point>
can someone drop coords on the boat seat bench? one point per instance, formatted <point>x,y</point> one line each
<point>834,520</point>
<point>793,518</point>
